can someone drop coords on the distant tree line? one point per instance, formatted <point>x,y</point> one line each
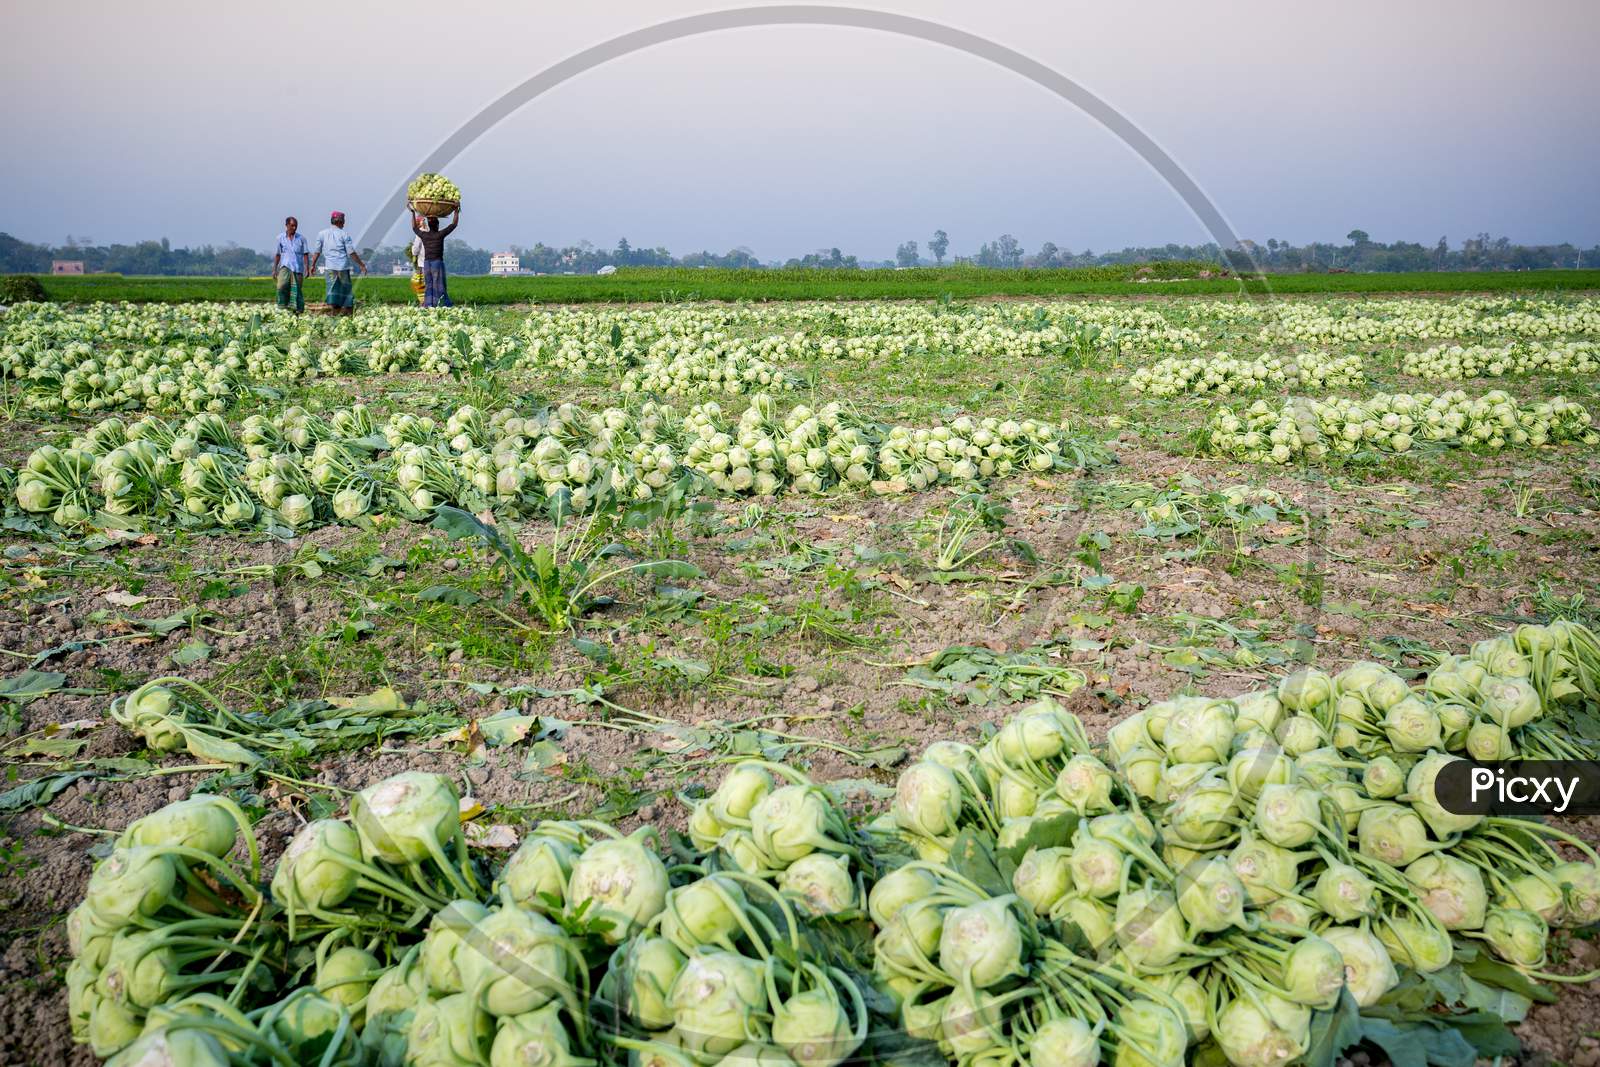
<point>146,257</point>
<point>1359,254</point>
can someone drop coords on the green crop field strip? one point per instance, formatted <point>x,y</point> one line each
<point>657,285</point>
<point>797,666</point>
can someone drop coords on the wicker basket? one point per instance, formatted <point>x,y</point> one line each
<point>435,209</point>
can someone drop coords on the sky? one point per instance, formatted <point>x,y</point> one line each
<point>207,122</point>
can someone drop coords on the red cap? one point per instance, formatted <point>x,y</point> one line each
<point>337,216</point>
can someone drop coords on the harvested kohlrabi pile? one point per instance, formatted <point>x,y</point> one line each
<point>1263,879</point>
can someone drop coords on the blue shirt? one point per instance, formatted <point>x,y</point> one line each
<point>292,252</point>
<point>336,247</point>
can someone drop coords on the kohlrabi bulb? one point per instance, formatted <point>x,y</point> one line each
<point>1043,877</point>
<point>1518,937</point>
<point>625,881</point>
<point>1096,866</point>
<point>1489,742</point>
<point>1252,768</point>
<point>345,977</point>
<point>1150,927</point>
<point>971,1023</point>
<point>1412,726</point>
<point>1150,1035</point>
<point>704,829</point>
<point>1288,815</point>
<point>1383,778</point>
<point>1210,896</point>
<point>1178,778</point>
<point>1313,973</point>
<point>982,941</point>
<point>533,1039</point>
<point>1358,676</point>
<point>132,883</point>
<point>407,818</point>
<point>957,757</point>
<point>1260,710</point>
<point>1581,883</point>
<point>1031,738</point>
<point>1299,734</point>
<point>814,1028</point>
<point>1266,871</point>
<point>1412,942</point>
<point>646,969</point>
<point>741,790</point>
<point>1204,815</point>
<point>1085,784</point>
<point>205,822</point>
<point>1143,767</point>
<point>1193,1000</point>
<point>792,821</point>
<point>911,938</point>
<point>442,947</point>
<point>1539,893</point>
<point>1249,1037</point>
<point>1064,1041</point>
<point>927,800</point>
<point>1423,798</point>
<point>1392,833</point>
<point>895,890</point>
<point>1512,702</point>
<point>717,1002</point>
<point>1093,918</point>
<point>1014,797</point>
<point>821,883</point>
<point>537,873</point>
<point>1368,971</point>
<point>1199,731</point>
<point>1127,735</point>
<point>707,911</point>
<point>1450,888</point>
<point>1305,690</point>
<point>1344,892</point>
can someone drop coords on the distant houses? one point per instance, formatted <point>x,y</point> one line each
<point>505,263</point>
<point>66,266</point>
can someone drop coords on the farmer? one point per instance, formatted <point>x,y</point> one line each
<point>336,249</point>
<point>289,265</point>
<point>432,238</point>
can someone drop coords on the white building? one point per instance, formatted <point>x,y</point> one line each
<point>400,268</point>
<point>505,263</point>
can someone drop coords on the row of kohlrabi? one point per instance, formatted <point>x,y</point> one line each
<point>1484,361</point>
<point>1223,374</point>
<point>297,469</point>
<point>1218,881</point>
<point>1309,429</point>
<point>1392,321</point>
<point>81,376</point>
<point>1135,327</point>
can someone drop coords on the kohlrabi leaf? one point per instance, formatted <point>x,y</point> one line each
<point>1333,1031</point>
<point>972,856</point>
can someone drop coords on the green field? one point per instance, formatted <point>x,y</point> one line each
<point>668,285</point>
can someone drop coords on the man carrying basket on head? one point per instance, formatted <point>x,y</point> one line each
<point>432,238</point>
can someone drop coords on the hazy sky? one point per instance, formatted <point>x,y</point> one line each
<point>207,122</point>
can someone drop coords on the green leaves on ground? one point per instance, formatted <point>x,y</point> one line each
<point>982,676</point>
